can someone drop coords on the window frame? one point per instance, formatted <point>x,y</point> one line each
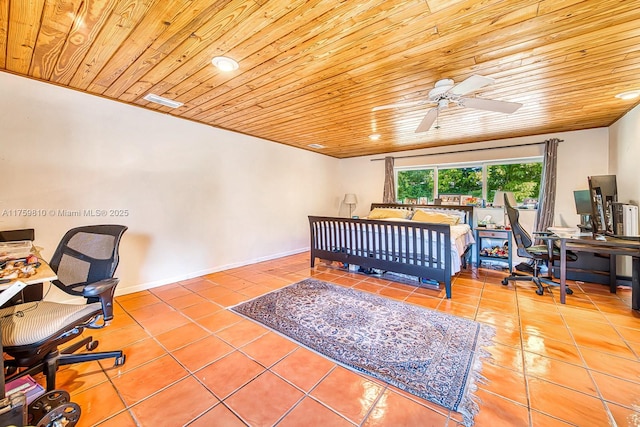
<point>483,164</point>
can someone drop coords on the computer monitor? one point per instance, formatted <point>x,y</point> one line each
<point>583,202</point>
<point>607,186</point>
<point>582,199</point>
<point>498,199</point>
<point>603,192</point>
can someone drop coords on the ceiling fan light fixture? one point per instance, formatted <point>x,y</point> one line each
<point>224,63</point>
<point>374,136</point>
<point>628,95</point>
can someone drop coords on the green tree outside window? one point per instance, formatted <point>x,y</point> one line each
<point>416,183</point>
<point>523,179</point>
<point>460,181</point>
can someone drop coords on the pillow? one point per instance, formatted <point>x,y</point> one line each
<point>384,213</point>
<point>435,217</point>
<point>462,215</point>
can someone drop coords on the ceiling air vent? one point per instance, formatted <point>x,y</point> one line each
<point>163,101</point>
<point>316,146</point>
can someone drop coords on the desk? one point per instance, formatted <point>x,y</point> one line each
<point>611,246</point>
<point>44,273</point>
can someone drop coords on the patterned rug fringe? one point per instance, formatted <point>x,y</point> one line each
<point>470,405</point>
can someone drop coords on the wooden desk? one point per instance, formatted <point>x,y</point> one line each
<point>611,246</point>
<point>44,273</point>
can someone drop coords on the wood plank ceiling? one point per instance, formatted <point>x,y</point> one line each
<point>312,71</point>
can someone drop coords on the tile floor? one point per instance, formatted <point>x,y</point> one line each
<point>192,362</point>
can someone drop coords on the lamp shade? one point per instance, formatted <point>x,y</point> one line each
<point>350,199</point>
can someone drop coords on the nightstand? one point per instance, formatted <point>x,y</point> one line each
<point>493,245</point>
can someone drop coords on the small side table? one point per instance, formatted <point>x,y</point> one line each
<point>495,234</point>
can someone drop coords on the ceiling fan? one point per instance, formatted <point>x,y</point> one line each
<point>445,92</point>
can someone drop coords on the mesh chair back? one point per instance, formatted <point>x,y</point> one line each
<point>522,238</point>
<point>85,255</point>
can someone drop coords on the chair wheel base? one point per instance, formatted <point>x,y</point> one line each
<point>120,360</point>
<point>540,291</point>
<point>43,405</point>
<point>505,282</point>
<point>66,414</point>
<point>92,345</point>
<point>569,291</point>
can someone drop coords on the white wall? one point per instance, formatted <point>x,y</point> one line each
<point>582,153</point>
<point>624,155</point>
<point>199,199</point>
<point>624,161</point>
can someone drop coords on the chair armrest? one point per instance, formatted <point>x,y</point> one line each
<point>543,233</point>
<point>98,288</point>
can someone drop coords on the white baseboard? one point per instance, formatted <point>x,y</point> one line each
<point>120,290</point>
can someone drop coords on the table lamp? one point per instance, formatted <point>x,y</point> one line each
<point>351,200</point>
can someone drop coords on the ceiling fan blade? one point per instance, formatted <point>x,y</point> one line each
<point>428,120</point>
<point>490,105</point>
<point>401,105</point>
<point>471,84</point>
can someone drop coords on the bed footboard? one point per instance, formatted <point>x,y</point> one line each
<point>417,249</point>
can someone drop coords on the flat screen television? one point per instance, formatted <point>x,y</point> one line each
<point>603,191</point>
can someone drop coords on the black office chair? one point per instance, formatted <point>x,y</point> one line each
<point>537,253</point>
<point>85,262</point>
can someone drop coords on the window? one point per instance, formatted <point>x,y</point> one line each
<point>415,184</point>
<point>481,180</point>
<point>521,178</point>
<point>465,180</point>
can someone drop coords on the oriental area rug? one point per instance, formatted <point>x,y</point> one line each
<point>430,354</point>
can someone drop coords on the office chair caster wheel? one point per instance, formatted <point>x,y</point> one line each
<point>92,345</point>
<point>569,291</point>
<point>540,291</point>
<point>120,360</point>
<point>505,282</point>
<point>67,415</point>
<point>39,408</point>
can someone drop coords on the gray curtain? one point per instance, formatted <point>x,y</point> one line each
<point>547,197</point>
<point>389,193</point>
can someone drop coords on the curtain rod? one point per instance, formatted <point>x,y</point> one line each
<point>464,151</point>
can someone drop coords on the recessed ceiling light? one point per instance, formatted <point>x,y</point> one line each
<point>162,100</point>
<point>374,136</point>
<point>316,146</point>
<point>628,95</point>
<point>223,63</point>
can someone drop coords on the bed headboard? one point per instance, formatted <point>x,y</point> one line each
<point>467,210</point>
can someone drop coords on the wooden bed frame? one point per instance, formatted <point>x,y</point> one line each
<point>375,243</point>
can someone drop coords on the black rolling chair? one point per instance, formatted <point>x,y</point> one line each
<point>537,253</point>
<point>85,262</point>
